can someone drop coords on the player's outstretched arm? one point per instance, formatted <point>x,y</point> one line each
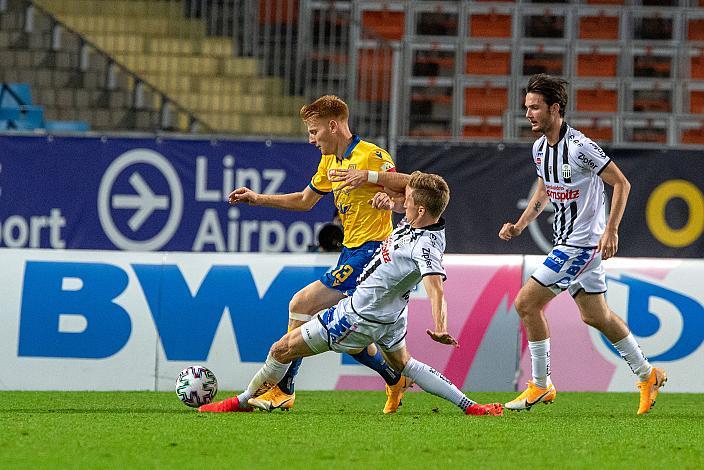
<point>434,288</point>
<point>300,201</point>
<point>383,201</point>
<point>612,175</point>
<point>392,181</point>
<point>535,207</point>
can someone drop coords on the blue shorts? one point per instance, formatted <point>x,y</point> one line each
<point>350,264</point>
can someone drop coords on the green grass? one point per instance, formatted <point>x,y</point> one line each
<point>347,430</point>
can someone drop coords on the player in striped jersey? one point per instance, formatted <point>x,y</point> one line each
<point>377,311</point>
<point>571,171</point>
<point>365,227</point>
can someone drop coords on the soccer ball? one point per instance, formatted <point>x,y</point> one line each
<point>196,386</point>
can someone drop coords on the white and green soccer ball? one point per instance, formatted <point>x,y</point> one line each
<point>196,386</point>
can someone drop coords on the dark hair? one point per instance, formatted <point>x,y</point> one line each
<point>553,90</point>
<point>330,237</point>
<point>430,191</point>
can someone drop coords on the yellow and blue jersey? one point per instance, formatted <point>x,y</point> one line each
<point>360,221</point>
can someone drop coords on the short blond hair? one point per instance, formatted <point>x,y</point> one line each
<point>430,191</point>
<point>326,107</point>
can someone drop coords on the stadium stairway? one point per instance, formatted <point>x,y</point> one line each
<point>155,41</point>
<point>70,81</point>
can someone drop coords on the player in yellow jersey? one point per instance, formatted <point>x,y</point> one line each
<point>353,170</point>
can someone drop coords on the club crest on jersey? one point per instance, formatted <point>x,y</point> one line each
<point>386,166</point>
<point>538,160</point>
<point>566,171</point>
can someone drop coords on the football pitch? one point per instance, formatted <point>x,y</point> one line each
<point>347,430</point>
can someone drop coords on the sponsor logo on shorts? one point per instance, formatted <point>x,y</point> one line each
<point>556,260</point>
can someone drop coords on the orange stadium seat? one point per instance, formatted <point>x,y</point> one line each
<point>597,100</point>
<point>693,136</point>
<point>597,132</point>
<point>490,25</point>
<point>598,27</point>
<point>485,101</point>
<point>697,67</point>
<point>277,12</point>
<point>385,23</point>
<point>597,65</point>
<point>488,62</point>
<point>696,102</point>
<point>373,70</point>
<point>483,130</point>
<point>695,30</point>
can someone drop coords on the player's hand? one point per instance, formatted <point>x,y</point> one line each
<point>349,177</point>
<point>608,244</point>
<point>245,195</point>
<point>508,231</point>
<point>382,201</point>
<point>443,337</point>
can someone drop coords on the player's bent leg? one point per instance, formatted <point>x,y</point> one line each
<point>435,383</point>
<point>289,348</point>
<point>308,301</point>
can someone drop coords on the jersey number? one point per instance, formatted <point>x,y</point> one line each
<point>341,273</point>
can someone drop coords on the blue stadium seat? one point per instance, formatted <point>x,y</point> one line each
<point>23,118</point>
<point>21,91</point>
<point>67,126</point>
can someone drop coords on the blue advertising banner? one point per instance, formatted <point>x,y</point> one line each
<point>153,194</point>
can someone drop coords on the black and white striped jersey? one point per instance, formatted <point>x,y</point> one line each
<point>570,170</point>
<point>400,262</point>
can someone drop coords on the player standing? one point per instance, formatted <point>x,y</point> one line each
<point>571,174</point>
<point>364,228</point>
<point>377,311</point>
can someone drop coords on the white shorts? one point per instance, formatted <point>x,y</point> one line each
<point>341,330</point>
<point>573,269</point>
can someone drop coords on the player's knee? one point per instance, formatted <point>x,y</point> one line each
<point>595,321</point>
<point>298,304</point>
<point>525,307</point>
<point>280,350</point>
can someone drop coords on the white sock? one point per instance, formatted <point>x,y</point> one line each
<point>434,382</point>
<point>540,362</point>
<point>630,351</point>
<point>272,371</point>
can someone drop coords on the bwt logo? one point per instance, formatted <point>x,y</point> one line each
<point>648,305</point>
<point>185,323</point>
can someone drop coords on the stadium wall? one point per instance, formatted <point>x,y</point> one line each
<point>111,320</point>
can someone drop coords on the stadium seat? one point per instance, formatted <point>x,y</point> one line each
<point>595,64</point>
<point>15,94</point>
<point>697,67</point>
<point>384,23</point>
<point>488,62</point>
<point>490,25</point>
<point>67,126</point>
<point>600,27</point>
<point>433,63</point>
<point>543,62</point>
<point>373,70</point>
<point>23,117</point>
<point>652,100</point>
<point>485,100</point>
<point>693,135</point>
<point>597,100</point>
<point>696,102</point>
<point>484,130</point>
<point>695,29</point>
<point>277,12</point>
